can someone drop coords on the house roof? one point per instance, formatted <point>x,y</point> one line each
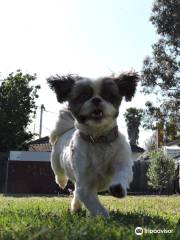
<point>144,157</point>
<point>43,145</point>
<point>175,142</point>
<point>136,149</point>
<point>40,145</point>
<point>40,140</point>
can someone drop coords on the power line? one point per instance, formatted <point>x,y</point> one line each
<point>46,128</point>
<point>51,112</point>
<point>45,110</point>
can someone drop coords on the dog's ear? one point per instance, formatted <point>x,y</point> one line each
<point>127,83</point>
<point>62,85</point>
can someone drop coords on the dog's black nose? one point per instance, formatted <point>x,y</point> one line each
<point>96,100</point>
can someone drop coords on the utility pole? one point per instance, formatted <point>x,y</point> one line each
<point>41,118</point>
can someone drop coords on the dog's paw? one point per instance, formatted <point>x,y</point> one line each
<point>61,181</point>
<point>76,206</point>
<point>118,191</point>
<point>102,213</point>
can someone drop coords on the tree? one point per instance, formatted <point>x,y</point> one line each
<point>165,118</point>
<point>161,171</point>
<point>17,107</point>
<point>161,72</point>
<point>133,119</point>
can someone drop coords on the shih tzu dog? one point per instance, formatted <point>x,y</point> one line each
<point>87,147</point>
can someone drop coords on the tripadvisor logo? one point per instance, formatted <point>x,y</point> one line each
<point>140,231</point>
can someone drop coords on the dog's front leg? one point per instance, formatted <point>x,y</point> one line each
<point>60,176</point>
<point>75,203</point>
<point>90,199</point>
<point>121,180</point>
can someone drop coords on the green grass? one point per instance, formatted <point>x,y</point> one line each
<point>49,218</point>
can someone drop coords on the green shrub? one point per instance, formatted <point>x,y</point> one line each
<point>161,170</point>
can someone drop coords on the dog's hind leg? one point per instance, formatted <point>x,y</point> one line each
<point>91,201</point>
<point>60,177</point>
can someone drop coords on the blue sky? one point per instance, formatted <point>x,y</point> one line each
<point>89,37</point>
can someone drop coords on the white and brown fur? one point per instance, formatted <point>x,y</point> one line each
<point>93,166</point>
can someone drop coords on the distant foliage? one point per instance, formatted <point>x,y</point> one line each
<point>17,108</point>
<point>161,71</point>
<point>165,118</point>
<point>161,171</point>
<point>165,17</point>
<point>150,144</point>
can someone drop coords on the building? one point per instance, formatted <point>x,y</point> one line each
<point>136,151</point>
<point>40,145</point>
<point>173,149</point>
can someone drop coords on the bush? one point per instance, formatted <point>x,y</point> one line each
<point>161,171</point>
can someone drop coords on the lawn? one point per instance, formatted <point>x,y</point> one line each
<point>49,218</point>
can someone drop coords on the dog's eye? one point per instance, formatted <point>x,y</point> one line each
<point>110,92</point>
<point>110,96</point>
<point>83,96</point>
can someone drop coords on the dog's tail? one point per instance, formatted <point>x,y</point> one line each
<point>65,123</point>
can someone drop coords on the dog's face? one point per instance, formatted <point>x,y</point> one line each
<point>94,102</point>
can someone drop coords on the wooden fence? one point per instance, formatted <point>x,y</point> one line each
<point>3,170</point>
<point>37,177</point>
<point>139,184</point>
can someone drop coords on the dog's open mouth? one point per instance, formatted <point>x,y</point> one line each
<point>97,114</point>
